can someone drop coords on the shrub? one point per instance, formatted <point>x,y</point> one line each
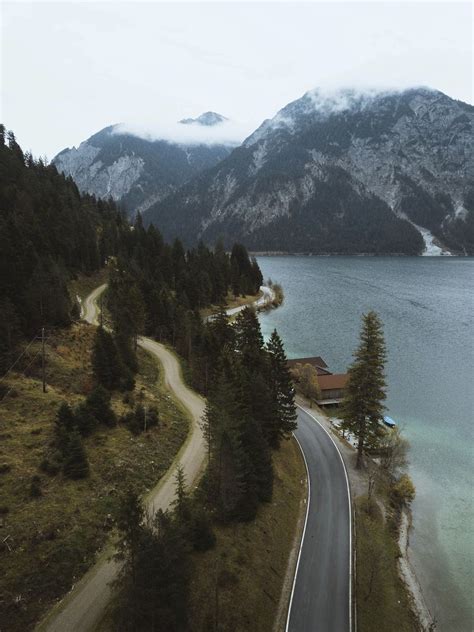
<point>98,403</point>
<point>75,458</point>
<point>35,487</point>
<point>51,465</point>
<point>402,493</point>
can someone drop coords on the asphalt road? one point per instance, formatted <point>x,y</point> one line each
<point>320,599</point>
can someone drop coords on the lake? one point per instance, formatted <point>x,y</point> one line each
<point>426,305</point>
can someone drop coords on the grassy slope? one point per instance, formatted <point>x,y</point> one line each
<point>54,538</point>
<point>250,560</point>
<point>383,602</point>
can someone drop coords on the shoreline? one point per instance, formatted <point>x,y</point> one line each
<point>405,568</point>
<point>409,577</point>
<point>283,253</point>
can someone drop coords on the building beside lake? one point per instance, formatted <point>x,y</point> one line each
<point>332,385</point>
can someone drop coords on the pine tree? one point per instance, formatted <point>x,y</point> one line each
<point>363,407</point>
<point>85,420</point>
<point>154,581</point>
<point>75,463</point>
<point>98,402</point>
<point>180,502</point>
<point>10,332</point>
<point>106,362</point>
<point>229,467</point>
<point>65,423</point>
<point>249,340</point>
<point>283,393</point>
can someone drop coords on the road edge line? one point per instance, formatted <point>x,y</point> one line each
<point>302,535</point>
<point>349,497</point>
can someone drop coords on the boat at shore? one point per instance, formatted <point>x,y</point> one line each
<point>388,421</point>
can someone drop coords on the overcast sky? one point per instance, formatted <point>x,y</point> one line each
<point>69,68</point>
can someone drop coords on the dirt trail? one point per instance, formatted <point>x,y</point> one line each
<point>82,609</point>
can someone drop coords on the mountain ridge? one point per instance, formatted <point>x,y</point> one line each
<point>403,158</point>
<point>135,171</point>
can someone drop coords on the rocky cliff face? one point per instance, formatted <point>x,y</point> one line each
<point>135,171</point>
<point>340,172</point>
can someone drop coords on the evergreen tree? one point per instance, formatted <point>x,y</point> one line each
<point>75,463</point>
<point>181,499</point>
<point>363,407</point>
<point>98,402</point>
<point>229,466</point>
<point>154,581</point>
<point>282,391</point>
<point>85,420</point>
<point>129,522</point>
<point>10,332</point>
<point>65,423</point>
<point>249,340</point>
<point>106,363</point>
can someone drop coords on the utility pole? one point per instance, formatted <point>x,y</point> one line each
<point>216,600</point>
<point>146,410</point>
<point>101,312</point>
<point>43,360</point>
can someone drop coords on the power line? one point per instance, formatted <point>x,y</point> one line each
<point>19,358</point>
<point>28,365</point>
<point>24,371</point>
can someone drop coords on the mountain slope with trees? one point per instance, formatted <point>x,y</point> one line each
<point>344,172</point>
<point>154,289</point>
<point>135,171</point>
<point>49,233</point>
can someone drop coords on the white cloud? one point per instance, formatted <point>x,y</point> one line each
<point>163,61</point>
<point>225,133</point>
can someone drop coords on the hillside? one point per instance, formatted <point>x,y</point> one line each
<point>343,172</point>
<point>52,526</point>
<point>138,171</point>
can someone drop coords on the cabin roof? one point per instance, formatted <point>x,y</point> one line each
<point>329,382</point>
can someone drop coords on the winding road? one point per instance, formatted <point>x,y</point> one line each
<point>321,595</point>
<point>83,608</point>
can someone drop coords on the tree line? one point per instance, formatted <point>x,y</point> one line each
<point>158,290</point>
<point>49,233</point>
<point>250,411</point>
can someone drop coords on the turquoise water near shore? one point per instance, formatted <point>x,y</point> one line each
<point>426,305</point>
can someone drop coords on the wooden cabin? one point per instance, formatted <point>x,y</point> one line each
<point>332,385</point>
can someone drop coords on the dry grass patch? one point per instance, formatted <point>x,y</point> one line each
<point>48,541</point>
<point>240,581</point>
<point>383,601</point>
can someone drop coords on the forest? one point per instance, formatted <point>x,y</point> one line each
<point>50,234</point>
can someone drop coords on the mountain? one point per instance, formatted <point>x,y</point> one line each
<point>340,172</point>
<point>208,119</point>
<point>137,171</point>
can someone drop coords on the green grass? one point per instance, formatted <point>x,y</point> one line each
<point>383,602</point>
<point>54,539</point>
<point>250,560</point>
